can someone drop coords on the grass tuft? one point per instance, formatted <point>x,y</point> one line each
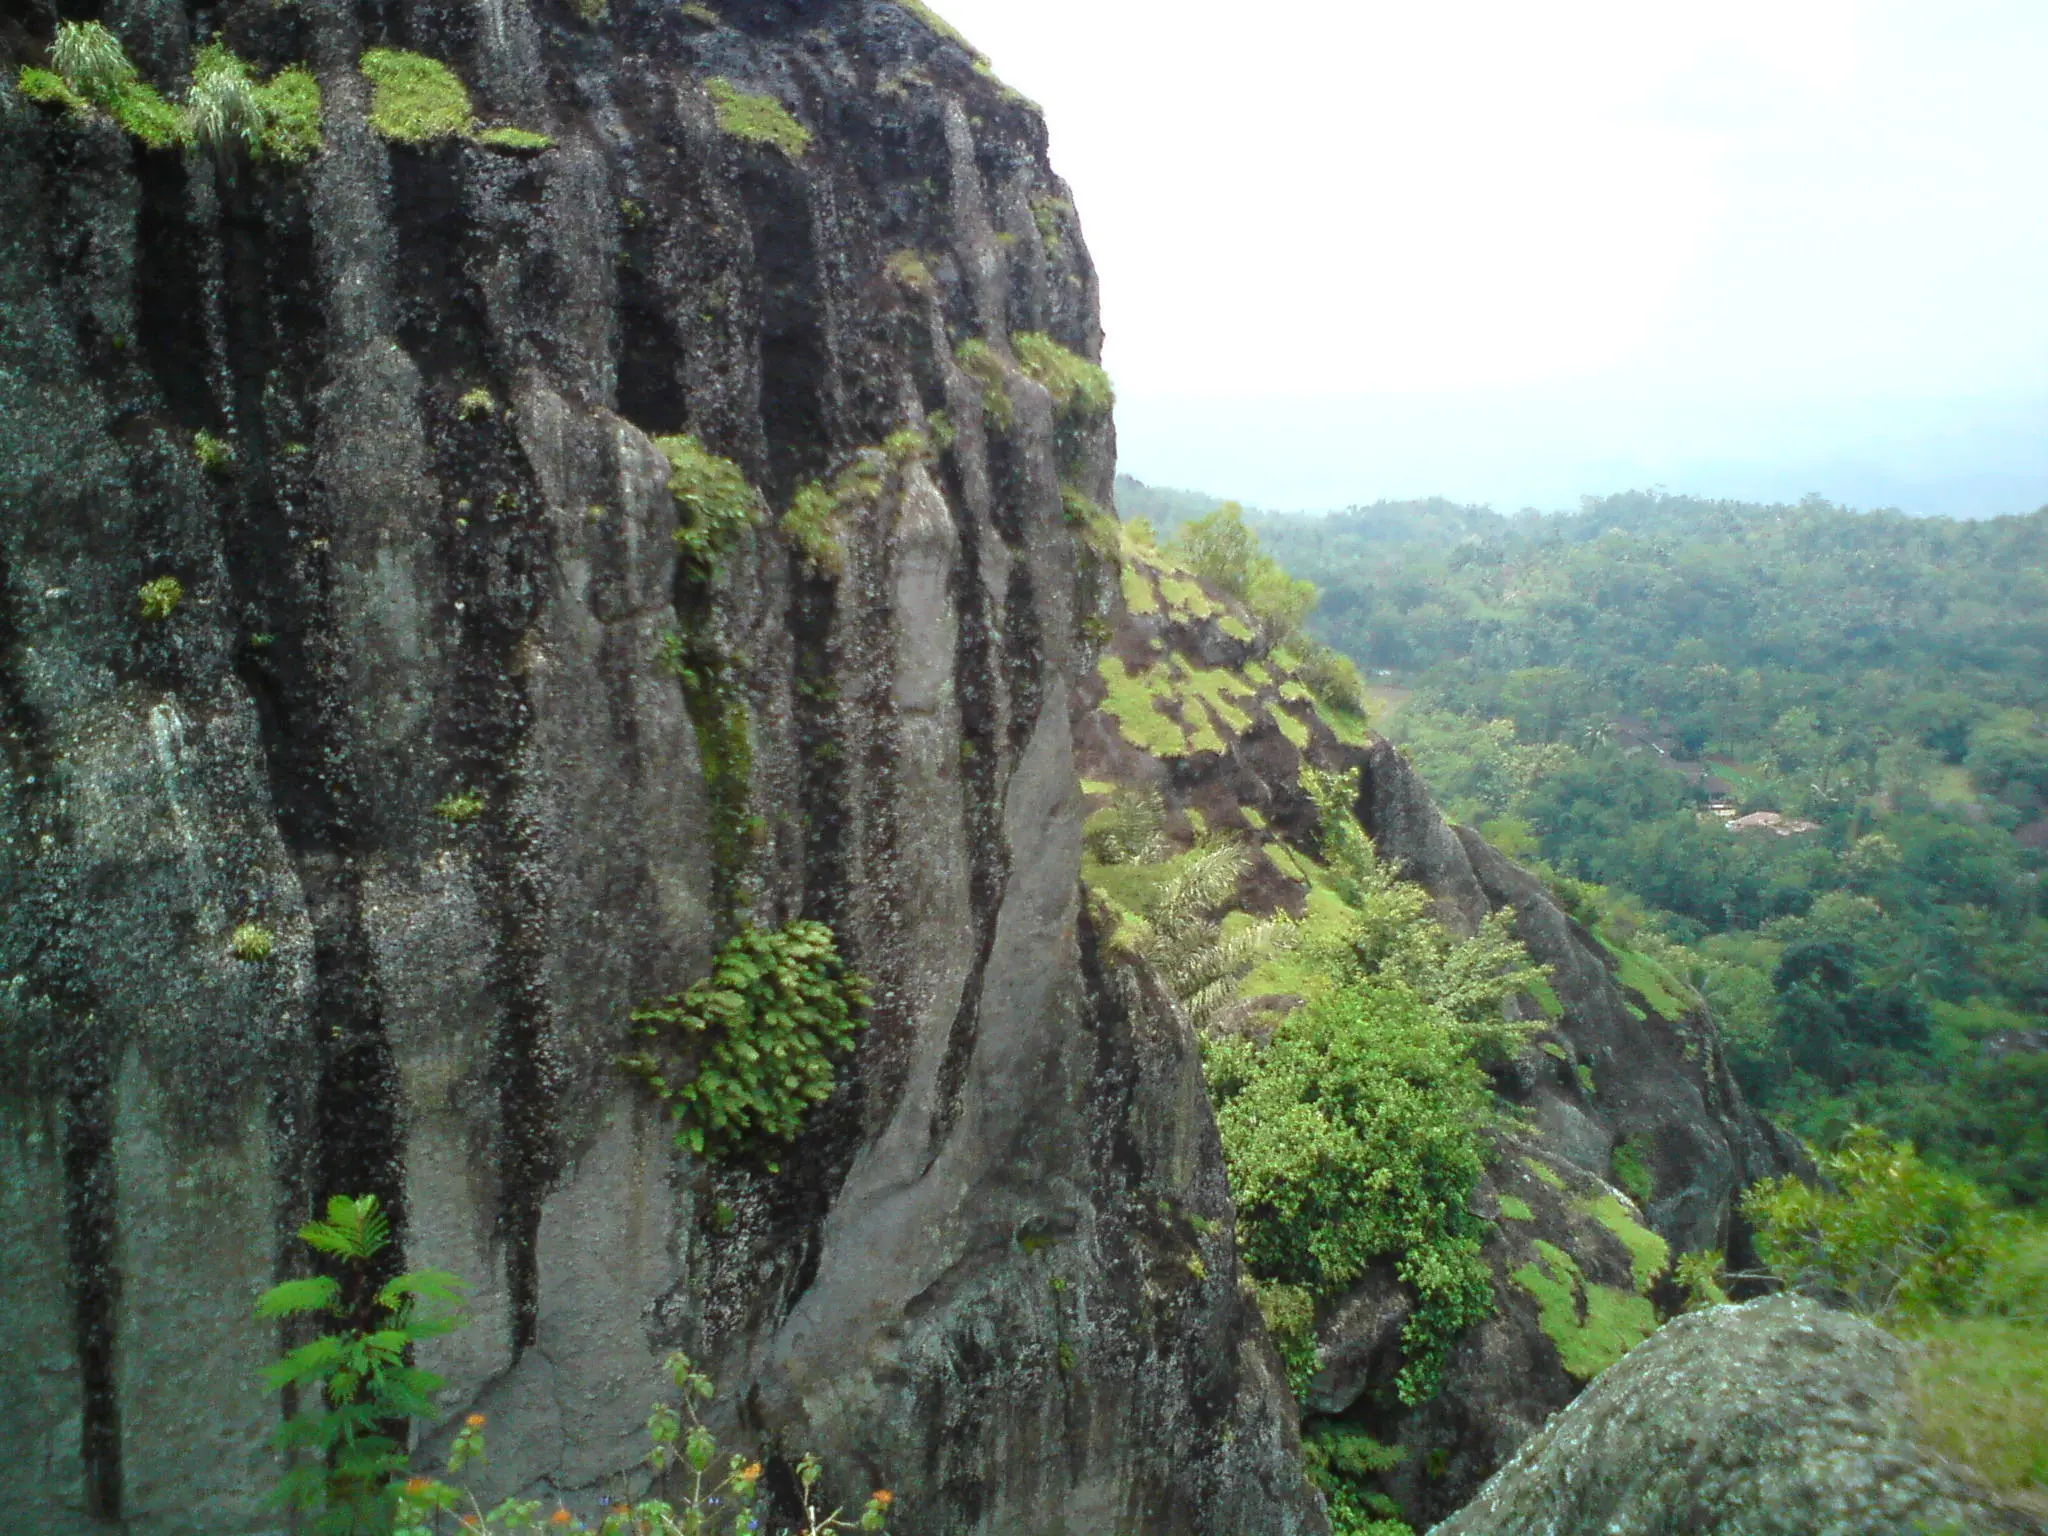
<point>253,943</point>
<point>415,99</point>
<point>1077,386</point>
<point>757,119</point>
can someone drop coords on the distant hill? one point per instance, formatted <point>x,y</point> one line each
<point>1622,693</point>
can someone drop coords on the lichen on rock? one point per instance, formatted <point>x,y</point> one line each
<point>1775,1418</point>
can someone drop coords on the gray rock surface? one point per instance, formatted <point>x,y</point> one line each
<point>1775,1418</point>
<point>974,1278</point>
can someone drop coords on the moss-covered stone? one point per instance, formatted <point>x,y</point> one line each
<point>1592,1325</point>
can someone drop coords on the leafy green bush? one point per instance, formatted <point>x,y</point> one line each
<point>1223,551</point>
<point>757,1037</point>
<point>717,503</point>
<point>415,99</point>
<point>1893,1236</point>
<point>344,1444</point>
<point>1179,926</point>
<point>816,519</point>
<point>1339,1459</point>
<point>91,69</point>
<point>1129,830</point>
<point>757,119</point>
<point>1355,1136</point>
<point>1393,937</point>
<point>1078,387</point>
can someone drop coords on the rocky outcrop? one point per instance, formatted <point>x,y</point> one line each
<point>1777,1418</point>
<point>408,714</point>
<point>1632,1140</point>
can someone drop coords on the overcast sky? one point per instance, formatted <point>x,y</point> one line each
<point>1518,253</point>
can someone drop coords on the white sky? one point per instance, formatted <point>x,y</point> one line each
<point>1516,253</point>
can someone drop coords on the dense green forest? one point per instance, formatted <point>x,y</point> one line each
<point>1612,695</point>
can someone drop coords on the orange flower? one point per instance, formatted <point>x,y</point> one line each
<point>751,1473</point>
<point>415,1486</point>
<point>884,1497</point>
<point>561,1517</point>
<point>475,1421</point>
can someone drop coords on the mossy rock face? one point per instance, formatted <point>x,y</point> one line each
<point>391,693</point>
<point>1778,1418</point>
<point>1591,1325</point>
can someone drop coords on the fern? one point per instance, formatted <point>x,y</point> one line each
<point>346,1449</point>
<point>1181,932</point>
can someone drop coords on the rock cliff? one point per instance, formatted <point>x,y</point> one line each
<point>1629,1139</point>
<point>368,752</point>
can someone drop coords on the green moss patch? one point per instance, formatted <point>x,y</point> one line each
<point>1633,1173</point>
<point>938,25</point>
<point>1649,1255</point>
<point>1134,700</point>
<point>1221,691</point>
<point>1139,595</point>
<point>48,88</point>
<point>1293,728</point>
<point>1644,976</point>
<point>1592,1325</point>
<point>1546,998</point>
<point>415,99</point>
<point>515,141</point>
<point>757,119</point>
<point>1185,597</point>
<point>1544,1172</point>
<point>292,116</point>
<point>1514,1208</point>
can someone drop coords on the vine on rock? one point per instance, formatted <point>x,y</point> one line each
<point>757,1038</point>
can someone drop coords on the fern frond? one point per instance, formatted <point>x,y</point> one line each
<point>295,1297</point>
<point>354,1229</point>
<point>423,1285</point>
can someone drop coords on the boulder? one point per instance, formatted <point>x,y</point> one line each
<point>1775,1418</point>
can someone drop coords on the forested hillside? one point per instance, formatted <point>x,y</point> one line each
<point>1617,693</point>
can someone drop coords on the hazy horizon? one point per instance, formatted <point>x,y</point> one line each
<point>1514,258</point>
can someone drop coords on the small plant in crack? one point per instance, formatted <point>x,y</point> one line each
<point>252,942</point>
<point>461,809</point>
<point>215,454</point>
<point>159,599</point>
